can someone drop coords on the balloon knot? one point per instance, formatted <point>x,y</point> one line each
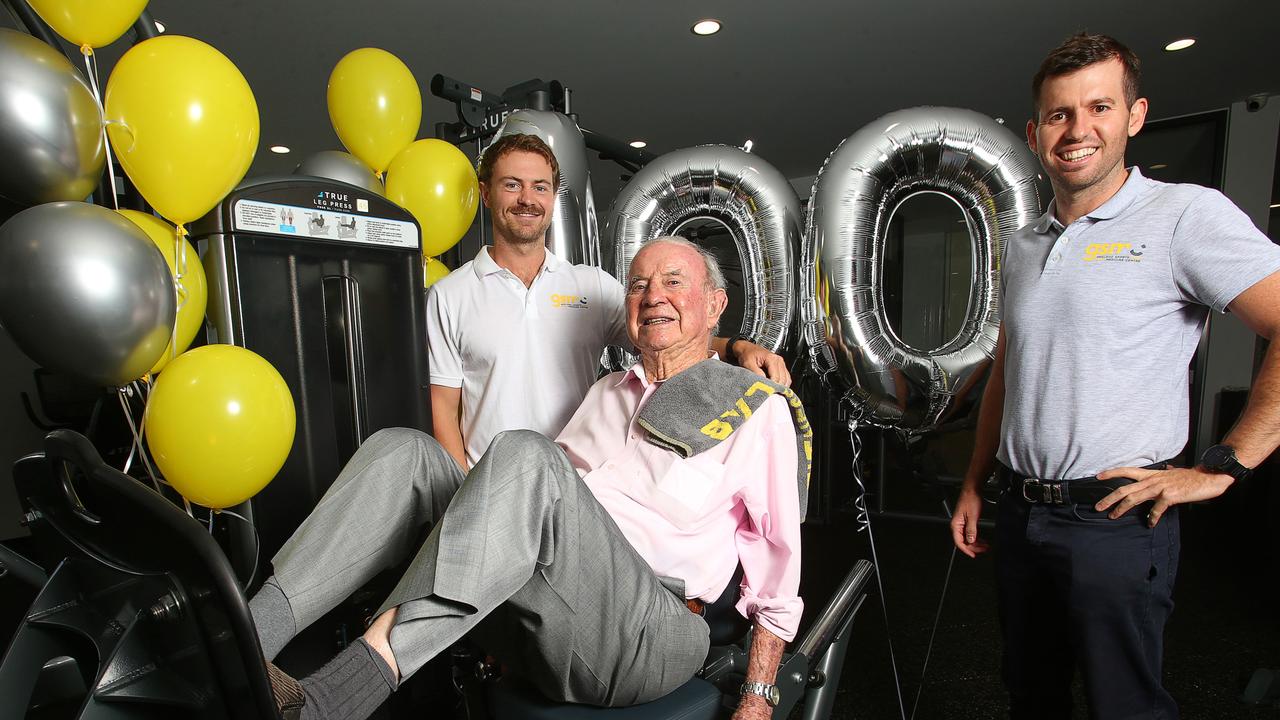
<point>86,50</point>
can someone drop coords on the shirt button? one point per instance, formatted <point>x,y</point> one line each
<point>1065,239</point>
<point>1056,258</point>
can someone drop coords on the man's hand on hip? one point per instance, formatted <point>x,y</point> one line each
<point>964,522</point>
<point>1165,487</point>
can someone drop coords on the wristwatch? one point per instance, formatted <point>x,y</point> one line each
<point>1222,459</point>
<point>770,693</point>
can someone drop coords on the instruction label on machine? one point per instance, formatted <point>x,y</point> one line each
<point>264,217</point>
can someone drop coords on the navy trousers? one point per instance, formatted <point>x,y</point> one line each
<point>1078,589</point>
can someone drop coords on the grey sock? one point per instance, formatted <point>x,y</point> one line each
<point>350,686</point>
<point>273,618</point>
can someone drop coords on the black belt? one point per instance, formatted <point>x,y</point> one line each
<point>1086,490</point>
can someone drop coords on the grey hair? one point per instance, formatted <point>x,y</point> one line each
<point>715,276</point>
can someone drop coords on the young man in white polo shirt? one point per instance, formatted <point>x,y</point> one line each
<point>516,334</point>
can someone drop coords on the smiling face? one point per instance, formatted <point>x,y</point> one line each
<point>520,195</point>
<point>1083,127</point>
<point>671,306</point>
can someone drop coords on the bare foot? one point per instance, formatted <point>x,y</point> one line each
<point>379,638</point>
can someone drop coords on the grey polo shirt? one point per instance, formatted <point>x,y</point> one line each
<point>1101,319</point>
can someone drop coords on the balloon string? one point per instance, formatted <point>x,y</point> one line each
<point>91,69</point>
<point>124,392</point>
<point>864,523</point>
<point>253,572</point>
<point>180,292</point>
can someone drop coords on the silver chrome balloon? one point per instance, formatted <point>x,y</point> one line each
<point>343,167</point>
<point>85,292</point>
<point>990,173</point>
<point>573,235</point>
<point>50,125</point>
<point>739,189</point>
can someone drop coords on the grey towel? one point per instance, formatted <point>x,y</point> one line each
<point>698,408</point>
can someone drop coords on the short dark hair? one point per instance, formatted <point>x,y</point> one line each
<point>516,143</point>
<point>1082,50</point>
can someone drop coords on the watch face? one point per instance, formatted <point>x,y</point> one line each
<point>775,696</point>
<point>1218,457</point>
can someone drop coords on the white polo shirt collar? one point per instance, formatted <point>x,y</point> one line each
<point>485,265</point>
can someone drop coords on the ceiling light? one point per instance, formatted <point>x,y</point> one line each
<point>1275,205</point>
<point>1182,44</point>
<point>706,27</point>
<point>1158,166</point>
<point>159,26</point>
<point>746,147</point>
<point>1000,120</point>
<point>279,149</point>
<point>637,144</point>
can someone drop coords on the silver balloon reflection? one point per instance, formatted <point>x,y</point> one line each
<point>748,195</point>
<point>50,125</point>
<point>85,292</point>
<point>989,172</point>
<point>343,167</point>
<point>574,235</point>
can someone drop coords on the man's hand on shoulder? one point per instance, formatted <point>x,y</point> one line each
<point>1166,487</point>
<point>760,361</point>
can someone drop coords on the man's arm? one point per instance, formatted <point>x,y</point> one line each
<point>964,521</point>
<point>754,358</point>
<point>1254,437</point>
<point>446,421</point>
<point>762,666</point>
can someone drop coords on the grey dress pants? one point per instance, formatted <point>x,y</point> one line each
<point>519,540</point>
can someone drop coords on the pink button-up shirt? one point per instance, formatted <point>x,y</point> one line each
<point>697,518</point>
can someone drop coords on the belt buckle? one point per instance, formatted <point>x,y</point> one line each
<point>1050,493</point>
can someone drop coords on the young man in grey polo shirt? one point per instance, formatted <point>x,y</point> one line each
<point>1105,298</point>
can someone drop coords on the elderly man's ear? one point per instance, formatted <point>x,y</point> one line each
<point>719,301</point>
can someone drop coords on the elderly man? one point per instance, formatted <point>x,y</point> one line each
<point>515,335</point>
<point>578,556</point>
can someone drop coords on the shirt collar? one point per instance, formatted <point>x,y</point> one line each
<point>635,373</point>
<point>1124,197</point>
<point>486,265</point>
<point>1132,188</point>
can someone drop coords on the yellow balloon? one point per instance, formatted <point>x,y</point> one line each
<point>220,423</point>
<point>435,181</point>
<point>183,123</point>
<point>89,22</point>
<point>375,105</point>
<point>433,270</point>
<point>192,295</point>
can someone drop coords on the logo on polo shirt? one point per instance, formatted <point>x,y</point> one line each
<point>569,301</point>
<point>1113,252</point>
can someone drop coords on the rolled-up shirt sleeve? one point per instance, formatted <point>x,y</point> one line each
<point>768,538</point>
<point>443,358</point>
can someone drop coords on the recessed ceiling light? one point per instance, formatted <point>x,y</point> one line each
<point>637,144</point>
<point>1000,120</point>
<point>1158,166</point>
<point>1275,205</point>
<point>279,149</point>
<point>159,26</point>
<point>706,27</point>
<point>1182,44</point>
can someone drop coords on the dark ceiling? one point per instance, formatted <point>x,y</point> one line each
<point>795,78</point>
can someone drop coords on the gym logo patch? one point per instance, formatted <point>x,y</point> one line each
<point>1113,252</point>
<point>569,301</point>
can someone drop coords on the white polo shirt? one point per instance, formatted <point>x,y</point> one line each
<point>524,357</point>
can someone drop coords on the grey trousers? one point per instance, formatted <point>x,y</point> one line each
<point>520,541</point>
